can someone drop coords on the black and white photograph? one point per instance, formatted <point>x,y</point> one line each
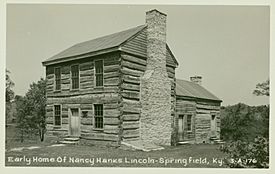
<point>137,86</point>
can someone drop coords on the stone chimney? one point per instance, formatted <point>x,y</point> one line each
<point>155,86</point>
<point>196,79</point>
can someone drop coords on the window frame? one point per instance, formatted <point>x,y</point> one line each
<point>95,116</point>
<point>71,79</point>
<point>82,113</point>
<point>95,74</point>
<point>54,115</point>
<point>191,122</point>
<point>55,78</point>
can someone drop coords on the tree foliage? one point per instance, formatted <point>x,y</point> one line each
<point>36,102</point>
<point>21,116</point>
<point>240,124</point>
<point>247,154</point>
<point>9,97</point>
<point>262,89</point>
<point>9,86</point>
<point>234,123</point>
<point>243,122</point>
<point>31,109</point>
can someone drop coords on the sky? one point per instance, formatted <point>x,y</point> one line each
<point>227,45</point>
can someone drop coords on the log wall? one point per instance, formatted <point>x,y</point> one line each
<point>132,69</point>
<point>120,96</point>
<point>185,107</point>
<point>202,112</point>
<point>86,76</point>
<point>85,97</point>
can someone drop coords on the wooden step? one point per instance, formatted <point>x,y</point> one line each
<point>183,142</point>
<point>219,142</point>
<point>68,142</point>
<point>213,138</point>
<point>71,138</point>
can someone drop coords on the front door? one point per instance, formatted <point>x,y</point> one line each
<point>74,122</point>
<point>181,128</point>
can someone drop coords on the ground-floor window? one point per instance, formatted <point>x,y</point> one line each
<point>189,122</point>
<point>98,116</point>
<point>84,114</point>
<point>57,115</point>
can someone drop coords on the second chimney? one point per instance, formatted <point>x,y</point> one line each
<point>196,79</point>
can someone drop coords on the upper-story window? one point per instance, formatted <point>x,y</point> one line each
<point>57,75</point>
<point>75,76</point>
<point>99,73</point>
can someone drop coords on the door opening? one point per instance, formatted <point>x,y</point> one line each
<point>181,128</point>
<point>74,122</point>
<point>213,126</point>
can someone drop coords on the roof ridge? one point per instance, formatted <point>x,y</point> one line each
<point>196,90</point>
<point>97,44</point>
<point>108,35</point>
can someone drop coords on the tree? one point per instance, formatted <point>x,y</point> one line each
<point>9,86</point>
<point>236,123</point>
<point>21,116</point>
<point>265,119</point>
<point>245,131</point>
<point>31,109</point>
<point>262,89</point>
<point>9,96</point>
<point>36,103</point>
<point>240,123</point>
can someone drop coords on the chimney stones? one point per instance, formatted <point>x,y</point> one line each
<point>155,87</point>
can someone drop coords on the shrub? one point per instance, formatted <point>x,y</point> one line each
<point>247,154</point>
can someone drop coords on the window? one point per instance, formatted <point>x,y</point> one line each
<point>84,114</point>
<point>99,73</point>
<point>57,115</point>
<point>98,121</point>
<point>75,76</point>
<point>57,74</point>
<point>189,122</point>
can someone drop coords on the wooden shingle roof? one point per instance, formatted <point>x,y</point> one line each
<point>189,89</point>
<point>132,40</point>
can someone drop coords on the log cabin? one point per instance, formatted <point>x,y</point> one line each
<point>121,88</point>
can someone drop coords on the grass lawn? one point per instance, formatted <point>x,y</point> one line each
<point>203,155</point>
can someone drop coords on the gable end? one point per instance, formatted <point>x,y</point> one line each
<point>137,45</point>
